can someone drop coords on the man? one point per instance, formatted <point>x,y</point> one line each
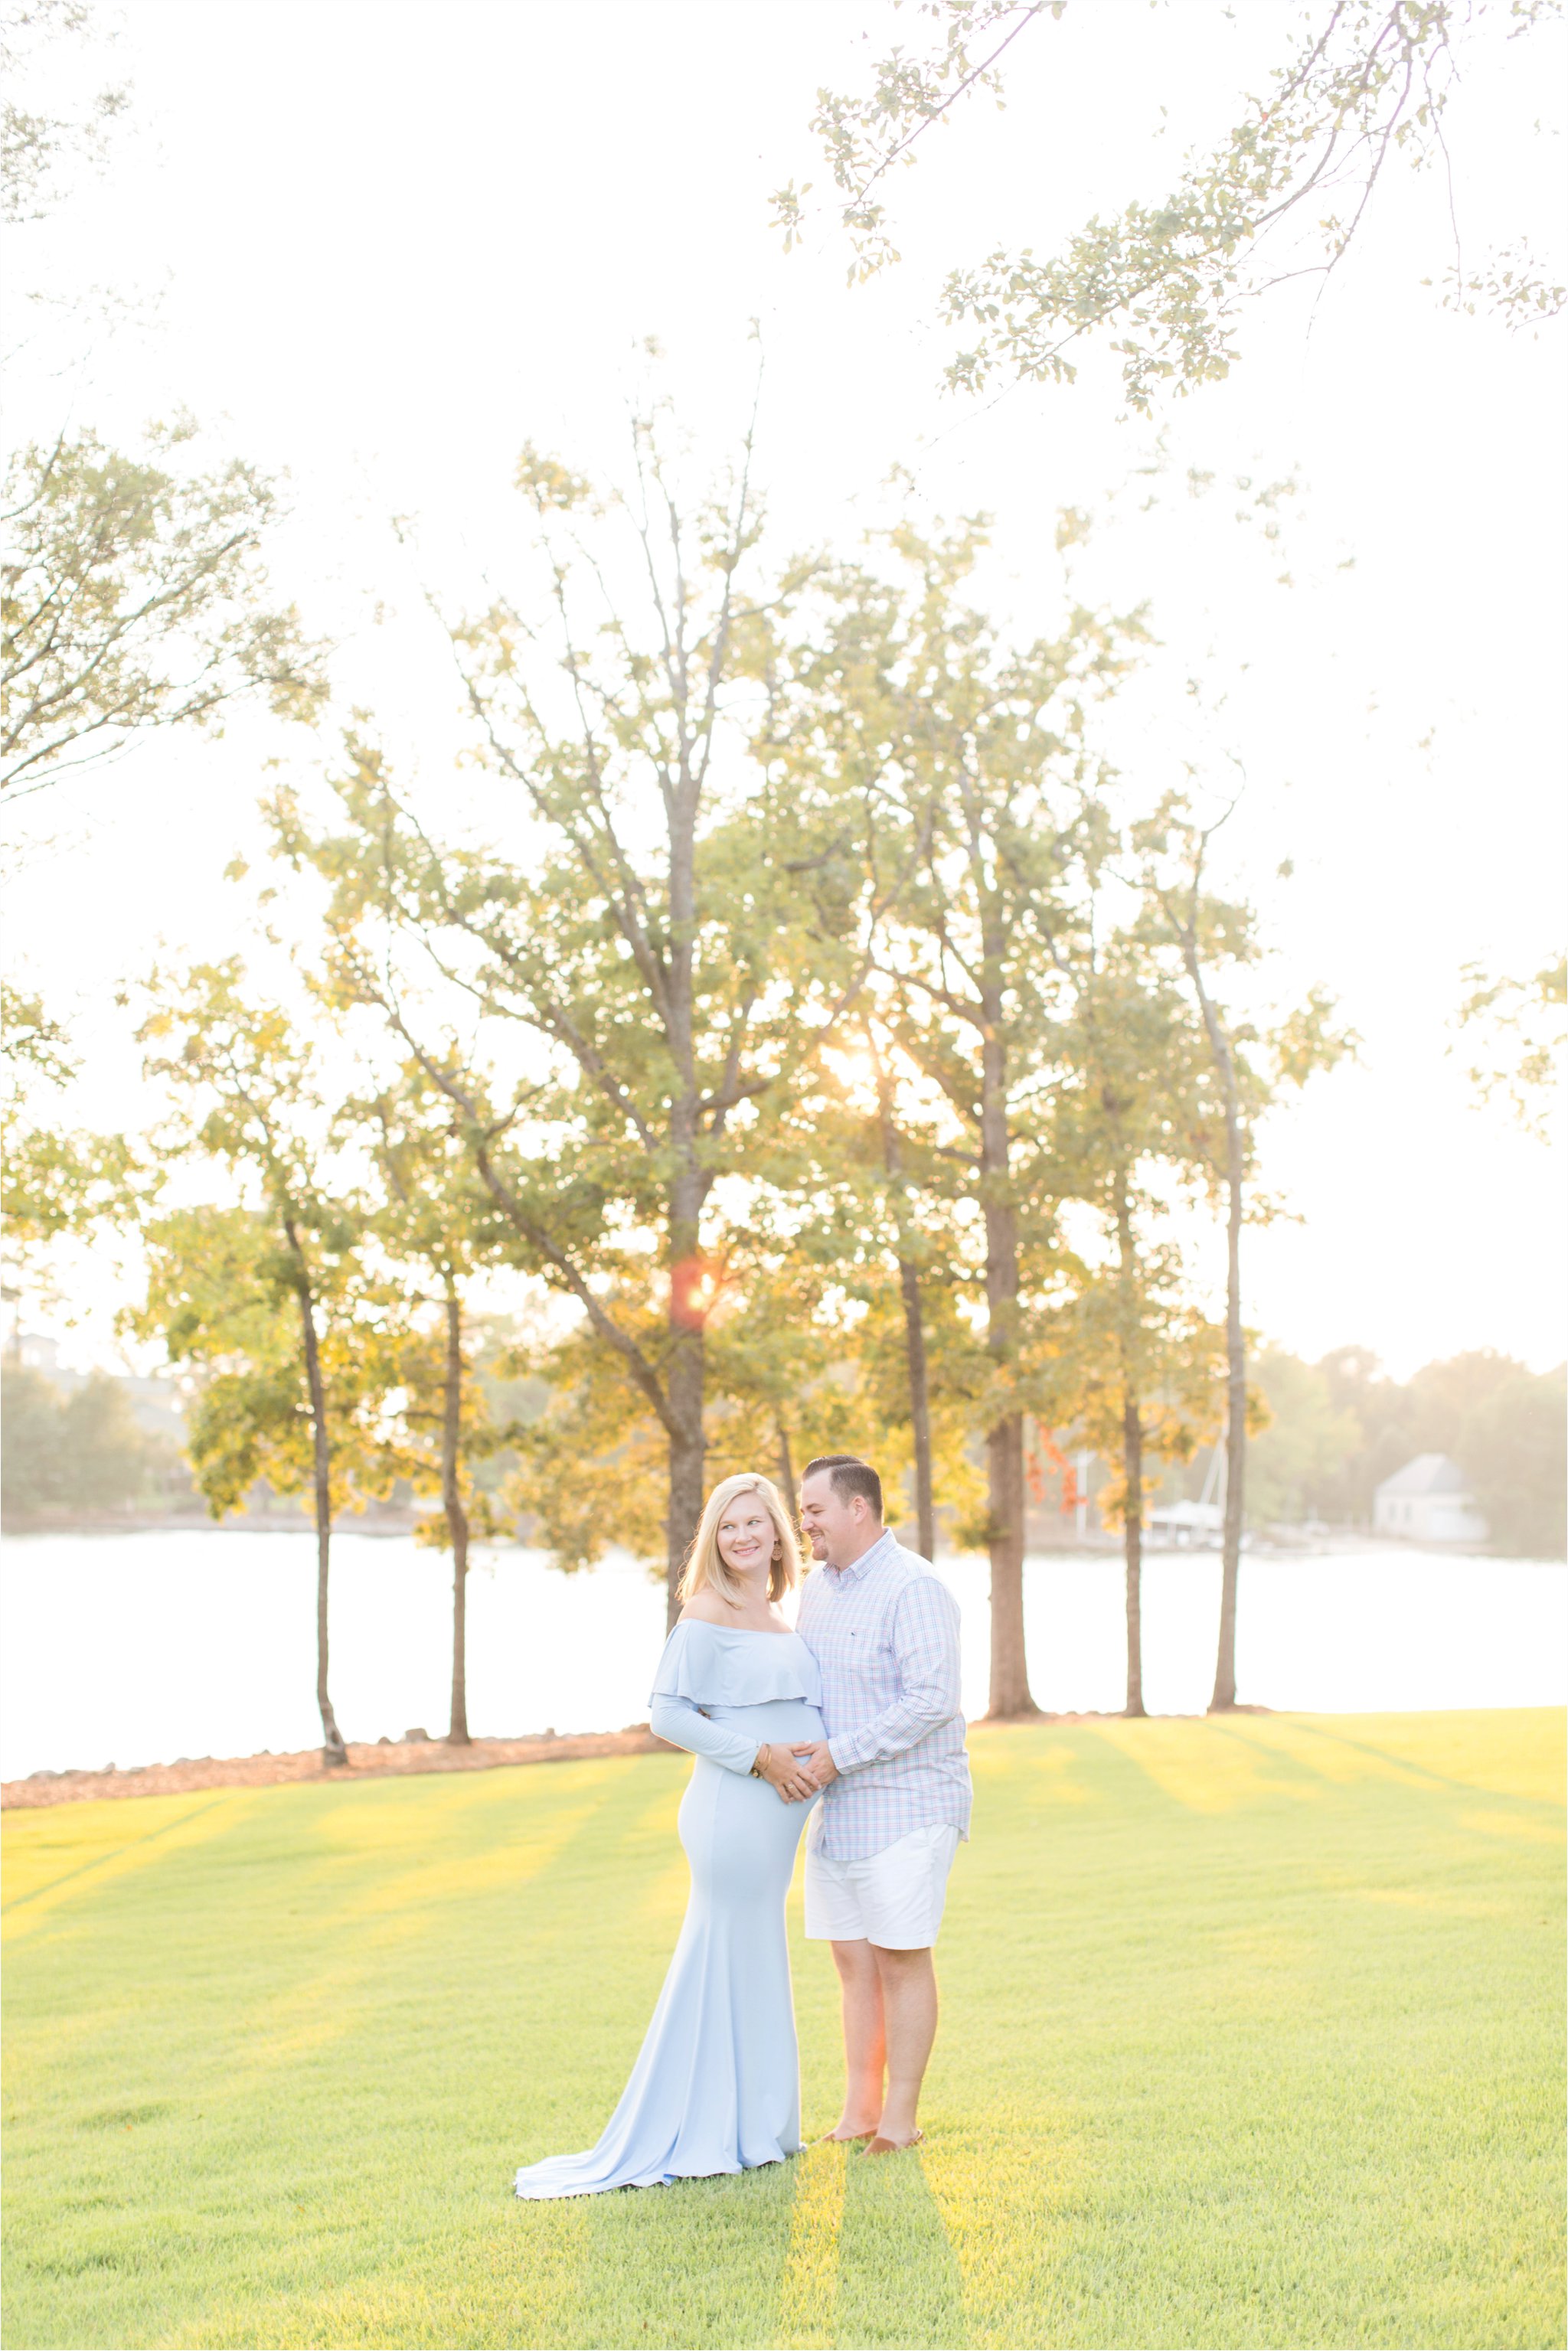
<point>883,1629</point>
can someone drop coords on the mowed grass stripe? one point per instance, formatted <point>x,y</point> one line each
<point>25,1885</point>
<point>1251,2036</point>
<point>809,2291</point>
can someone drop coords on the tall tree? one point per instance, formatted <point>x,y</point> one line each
<point>1208,934</point>
<point>226,1283</point>
<point>432,1219</point>
<point>844,1313</point>
<point>876,1211</point>
<point>640,935</point>
<point>1185,920</point>
<point>1280,195</point>
<point>1136,1101</point>
<point>978,796</point>
<point>294,1361</point>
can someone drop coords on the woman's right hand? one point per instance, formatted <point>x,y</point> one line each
<point>779,1767</point>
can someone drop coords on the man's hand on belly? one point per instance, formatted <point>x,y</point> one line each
<point>790,1780</point>
<point>817,1760</point>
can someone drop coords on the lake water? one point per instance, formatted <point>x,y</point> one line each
<point>137,1648</point>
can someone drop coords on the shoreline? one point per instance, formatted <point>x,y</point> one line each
<point>383,1760</point>
<point>389,1758</point>
<point>1274,1542</point>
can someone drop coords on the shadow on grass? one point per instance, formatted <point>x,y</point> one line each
<point>829,2248</point>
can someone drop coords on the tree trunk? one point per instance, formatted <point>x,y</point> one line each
<point>1224,1695</point>
<point>913,1320</point>
<point>456,1517</point>
<point>688,1447</point>
<point>1131,1444</point>
<point>333,1751</point>
<point>1010,1672</point>
<point>686,1375</point>
<point>1004,1442</point>
<point>685,1514</point>
<point>685,1378</point>
<point>787,1471</point>
<point>1132,1538</point>
<point>919,1407</point>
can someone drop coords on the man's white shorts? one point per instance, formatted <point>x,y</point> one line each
<point>894,1897</point>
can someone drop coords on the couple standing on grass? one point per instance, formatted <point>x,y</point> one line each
<point>853,1720</point>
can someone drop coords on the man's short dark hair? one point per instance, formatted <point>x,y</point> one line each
<point>847,1475</point>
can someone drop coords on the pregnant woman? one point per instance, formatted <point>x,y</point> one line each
<point>717,2084</point>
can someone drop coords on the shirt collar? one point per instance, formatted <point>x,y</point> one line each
<point>882,1549</point>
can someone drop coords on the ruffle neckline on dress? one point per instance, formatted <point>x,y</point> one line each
<point>722,1665</point>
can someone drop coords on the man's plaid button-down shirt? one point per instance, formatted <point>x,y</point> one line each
<point>885,1634</point>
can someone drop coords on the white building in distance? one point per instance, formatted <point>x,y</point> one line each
<point>1429,1500</point>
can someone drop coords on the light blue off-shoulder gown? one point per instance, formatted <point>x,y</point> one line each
<point>717,2084</point>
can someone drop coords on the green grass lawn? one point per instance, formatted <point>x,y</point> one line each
<point>1251,2037</point>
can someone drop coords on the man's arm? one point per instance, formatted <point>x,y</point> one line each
<point>925,1642</point>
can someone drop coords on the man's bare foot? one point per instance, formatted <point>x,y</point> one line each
<point>880,2146</point>
<point>843,2136</point>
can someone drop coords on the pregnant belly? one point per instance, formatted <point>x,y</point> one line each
<point>739,1834</point>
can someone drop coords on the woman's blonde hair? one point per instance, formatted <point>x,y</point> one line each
<point>704,1570</point>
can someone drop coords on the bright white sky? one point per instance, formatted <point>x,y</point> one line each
<point>392,239</point>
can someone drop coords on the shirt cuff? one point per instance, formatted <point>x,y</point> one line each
<point>844,1752</point>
